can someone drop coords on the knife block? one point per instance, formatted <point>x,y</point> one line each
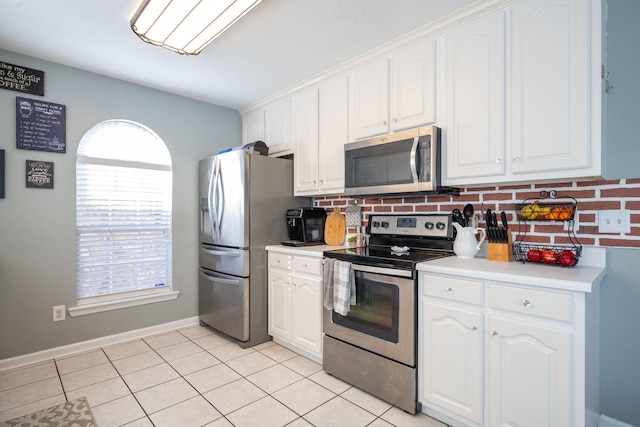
<point>501,251</point>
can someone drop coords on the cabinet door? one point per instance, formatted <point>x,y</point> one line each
<point>333,133</point>
<point>307,312</point>
<point>305,140</point>
<point>451,368</point>
<point>277,127</point>
<point>279,303</point>
<point>475,110</point>
<point>369,100</point>
<point>413,86</point>
<point>529,374</point>
<point>549,114</point>
<point>253,127</point>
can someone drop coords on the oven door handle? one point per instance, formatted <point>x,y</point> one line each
<point>382,270</point>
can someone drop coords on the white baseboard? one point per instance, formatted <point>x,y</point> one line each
<point>52,353</point>
<point>610,422</point>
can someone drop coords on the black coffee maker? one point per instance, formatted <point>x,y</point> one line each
<point>305,226</point>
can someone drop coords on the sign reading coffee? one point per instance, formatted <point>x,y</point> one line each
<point>39,174</point>
<point>21,79</point>
<point>40,125</point>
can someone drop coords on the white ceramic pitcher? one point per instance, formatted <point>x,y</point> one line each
<point>466,245</point>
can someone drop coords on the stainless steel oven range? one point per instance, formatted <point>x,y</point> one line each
<point>374,346</point>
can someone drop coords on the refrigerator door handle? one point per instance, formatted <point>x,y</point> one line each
<point>218,196</point>
<point>220,280</point>
<point>221,252</point>
<point>210,199</point>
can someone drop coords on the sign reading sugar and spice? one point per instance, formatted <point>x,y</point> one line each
<point>21,79</point>
<point>40,125</point>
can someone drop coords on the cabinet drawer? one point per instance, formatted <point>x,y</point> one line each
<point>279,260</point>
<point>308,265</point>
<point>453,289</point>
<point>549,305</point>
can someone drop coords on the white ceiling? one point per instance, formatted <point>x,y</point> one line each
<point>280,43</point>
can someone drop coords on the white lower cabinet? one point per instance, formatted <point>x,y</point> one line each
<point>452,368</point>
<point>529,374</point>
<point>295,303</point>
<point>504,354</point>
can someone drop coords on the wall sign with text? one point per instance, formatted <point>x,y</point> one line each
<point>21,79</point>
<point>39,174</point>
<point>40,125</point>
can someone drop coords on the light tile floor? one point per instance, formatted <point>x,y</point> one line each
<point>197,377</point>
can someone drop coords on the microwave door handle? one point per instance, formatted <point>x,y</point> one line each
<point>413,160</point>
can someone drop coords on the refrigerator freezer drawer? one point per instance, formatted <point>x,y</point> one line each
<point>225,260</point>
<point>224,303</point>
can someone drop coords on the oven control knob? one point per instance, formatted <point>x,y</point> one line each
<point>375,224</point>
<point>441,225</point>
<point>384,224</point>
<point>429,225</point>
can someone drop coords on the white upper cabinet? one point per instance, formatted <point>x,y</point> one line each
<point>549,87</point>
<point>475,99</point>
<point>333,133</point>
<point>413,86</point>
<point>369,100</point>
<point>305,140</point>
<point>253,127</point>
<point>320,130</point>
<point>394,93</point>
<point>277,127</point>
<point>524,104</point>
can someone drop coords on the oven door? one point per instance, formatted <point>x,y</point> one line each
<point>383,320</point>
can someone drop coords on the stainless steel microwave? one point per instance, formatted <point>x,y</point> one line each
<point>399,163</point>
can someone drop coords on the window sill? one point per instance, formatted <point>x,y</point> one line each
<point>81,310</point>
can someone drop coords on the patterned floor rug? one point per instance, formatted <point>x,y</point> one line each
<point>75,413</point>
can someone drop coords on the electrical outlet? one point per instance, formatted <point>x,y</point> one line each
<point>59,313</point>
<point>614,221</point>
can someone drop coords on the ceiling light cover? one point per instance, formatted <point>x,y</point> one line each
<point>187,26</point>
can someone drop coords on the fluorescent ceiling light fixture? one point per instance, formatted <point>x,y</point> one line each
<point>187,26</point>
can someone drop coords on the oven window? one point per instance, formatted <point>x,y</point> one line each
<point>376,310</point>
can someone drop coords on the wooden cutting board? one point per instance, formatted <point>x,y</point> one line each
<point>335,228</point>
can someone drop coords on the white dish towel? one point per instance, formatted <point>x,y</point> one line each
<point>339,286</point>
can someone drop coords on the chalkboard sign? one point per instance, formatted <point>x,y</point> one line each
<point>39,174</point>
<point>40,125</point>
<point>21,79</point>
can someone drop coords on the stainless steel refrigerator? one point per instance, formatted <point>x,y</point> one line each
<point>243,200</point>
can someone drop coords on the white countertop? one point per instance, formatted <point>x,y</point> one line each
<point>581,278</point>
<point>313,251</point>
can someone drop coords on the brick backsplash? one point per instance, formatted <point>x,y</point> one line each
<point>591,197</point>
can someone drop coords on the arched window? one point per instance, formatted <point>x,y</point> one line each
<point>123,214</point>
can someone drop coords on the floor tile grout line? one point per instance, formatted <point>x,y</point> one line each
<point>242,376</point>
<point>146,415</point>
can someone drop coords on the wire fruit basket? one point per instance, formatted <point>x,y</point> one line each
<point>547,207</point>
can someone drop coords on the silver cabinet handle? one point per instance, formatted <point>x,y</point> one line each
<point>494,333</point>
<point>498,160</point>
<point>516,159</point>
<point>526,302</point>
<point>449,290</point>
<point>474,329</point>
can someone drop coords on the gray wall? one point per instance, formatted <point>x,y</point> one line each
<point>620,297</point>
<point>37,226</point>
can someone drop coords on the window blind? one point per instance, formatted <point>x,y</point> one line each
<point>123,227</point>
